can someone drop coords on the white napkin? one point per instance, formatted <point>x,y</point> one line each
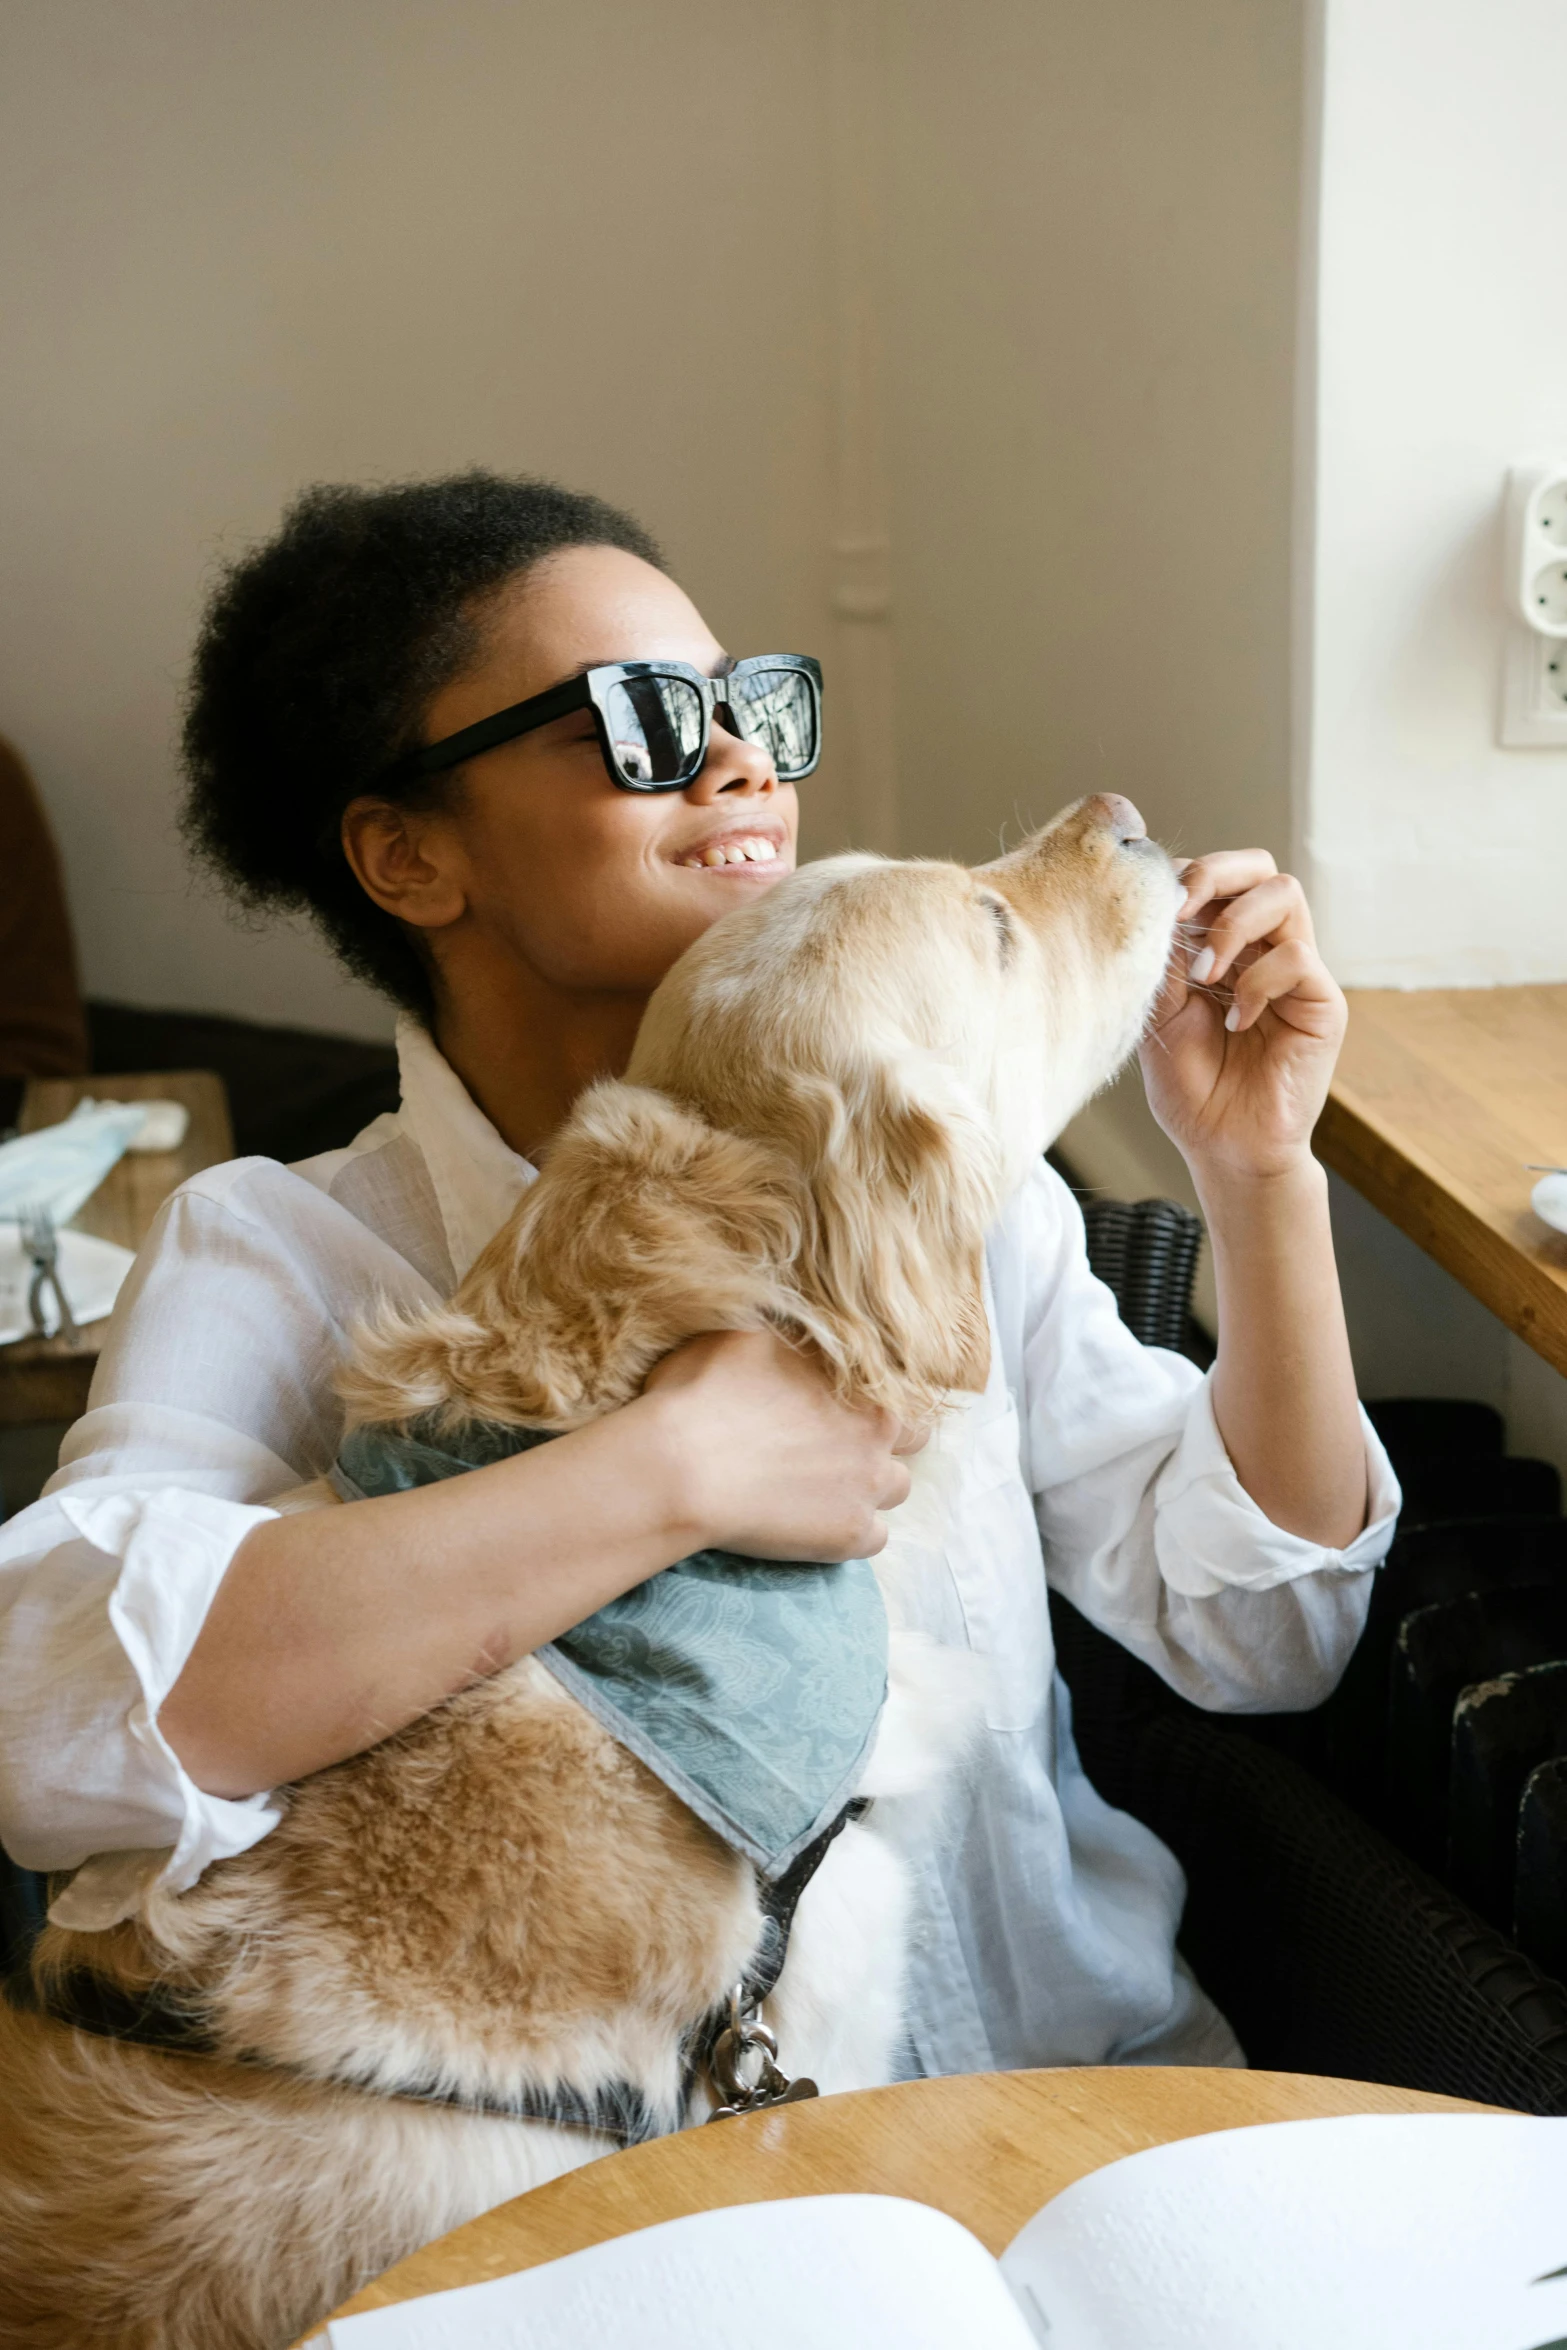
<point>55,1170</point>
<point>90,1270</point>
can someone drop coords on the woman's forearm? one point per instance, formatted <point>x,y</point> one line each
<point>337,1626</point>
<point>1283,1385</point>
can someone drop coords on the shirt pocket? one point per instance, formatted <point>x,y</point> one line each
<point>993,1556</point>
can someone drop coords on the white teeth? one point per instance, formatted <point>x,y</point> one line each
<point>735,852</point>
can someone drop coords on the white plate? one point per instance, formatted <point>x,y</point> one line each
<point>91,1272</point>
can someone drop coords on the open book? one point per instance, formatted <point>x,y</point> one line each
<point>1380,2232</point>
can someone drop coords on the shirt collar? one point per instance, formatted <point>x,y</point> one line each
<point>477,1179</point>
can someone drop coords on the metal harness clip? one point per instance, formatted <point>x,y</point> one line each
<point>743,2039</point>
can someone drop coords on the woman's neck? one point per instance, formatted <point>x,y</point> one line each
<point>525,1050</point>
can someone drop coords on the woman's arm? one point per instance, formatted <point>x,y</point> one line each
<point>1237,1075</point>
<point>1283,1384</point>
<point>333,1628</point>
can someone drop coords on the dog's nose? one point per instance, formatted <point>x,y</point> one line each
<point>1118,812</point>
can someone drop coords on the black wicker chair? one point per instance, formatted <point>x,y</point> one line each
<point>1147,1253</point>
<point>1329,1949</point>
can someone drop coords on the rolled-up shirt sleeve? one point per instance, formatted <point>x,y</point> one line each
<point>101,1609</point>
<point>214,1393</point>
<point>1146,1528</point>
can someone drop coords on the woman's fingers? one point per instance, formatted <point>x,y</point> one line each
<point>895,1490</point>
<point>1273,908</point>
<point>1295,980</point>
<point>1224,874</point>
<point>779,1466</point>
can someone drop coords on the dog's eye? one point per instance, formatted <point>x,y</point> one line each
<point>1001,915</point>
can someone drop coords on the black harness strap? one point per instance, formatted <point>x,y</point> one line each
<point>779,1902</point>
<point>157,2019</point>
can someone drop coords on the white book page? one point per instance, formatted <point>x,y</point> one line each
<point>1371,2233</point>
<point>823,2272</point>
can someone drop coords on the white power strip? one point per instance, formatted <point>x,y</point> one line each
<point>1534,674</point>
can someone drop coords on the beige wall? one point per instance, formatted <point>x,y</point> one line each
<point>246,245</point>
<point>1095,230</point>
<point>249,243</point>
<point>1090,354</point>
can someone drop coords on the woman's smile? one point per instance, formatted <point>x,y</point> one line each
<point>758,849</point>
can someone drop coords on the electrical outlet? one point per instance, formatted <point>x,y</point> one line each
<point>1534,677</point>
<point>1534,691</point>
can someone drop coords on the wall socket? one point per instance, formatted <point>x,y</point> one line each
<point>1534,674</point>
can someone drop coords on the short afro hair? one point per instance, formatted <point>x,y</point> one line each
<point>318,656</point>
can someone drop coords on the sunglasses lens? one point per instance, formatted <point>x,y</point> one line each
<point>655,725</point>
<point>777,708</point>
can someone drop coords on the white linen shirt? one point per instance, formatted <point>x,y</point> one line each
<point>1044,1920</point>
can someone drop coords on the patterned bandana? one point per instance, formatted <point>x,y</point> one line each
<point>752,1689</point>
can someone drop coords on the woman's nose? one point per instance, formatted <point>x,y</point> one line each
<point>1118,812</point>
<point>732,765</point>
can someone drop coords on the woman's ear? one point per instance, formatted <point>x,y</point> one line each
<point>903,1192</point>
<point>406,860</point>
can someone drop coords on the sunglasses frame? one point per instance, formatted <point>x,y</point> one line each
<point>591,691</point>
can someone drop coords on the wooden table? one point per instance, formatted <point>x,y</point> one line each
<point>989,2148</point>
<point>1442,1099</point>
<point>48,1378</point>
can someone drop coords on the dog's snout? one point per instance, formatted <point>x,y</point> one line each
<point>1115,810</point>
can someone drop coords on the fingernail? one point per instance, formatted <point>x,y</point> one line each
<point>1202,966</point>
<point>1232,1018</point>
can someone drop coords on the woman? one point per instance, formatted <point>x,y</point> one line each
<point>173,1649</point>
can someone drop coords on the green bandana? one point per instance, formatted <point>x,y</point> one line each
<point>752,1689</point>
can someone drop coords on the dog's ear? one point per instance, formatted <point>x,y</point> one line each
<point>903,1185</point>
<point>645,1227</point>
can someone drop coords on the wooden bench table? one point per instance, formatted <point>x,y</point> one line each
<point>48,1378</point>
<point>989,2148</point>
<point>1442,1099</point>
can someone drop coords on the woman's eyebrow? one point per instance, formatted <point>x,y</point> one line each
<point>566,677</point>
<point>725,663</point>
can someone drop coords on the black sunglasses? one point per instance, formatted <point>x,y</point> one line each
<point>653,719</point>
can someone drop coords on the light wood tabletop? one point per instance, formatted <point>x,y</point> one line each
<point>1442,1100</point>
<point>989,2148</point>
<point>48,1378</point>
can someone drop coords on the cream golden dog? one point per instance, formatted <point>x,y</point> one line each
<point>831,1096</point>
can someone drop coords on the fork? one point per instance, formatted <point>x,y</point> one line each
<point>41,1244</point>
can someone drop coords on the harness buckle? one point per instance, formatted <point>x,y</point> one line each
<point>744,2063</point>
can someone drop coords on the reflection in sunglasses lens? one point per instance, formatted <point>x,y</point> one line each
<point>777,708</point>
<point>655,725</point>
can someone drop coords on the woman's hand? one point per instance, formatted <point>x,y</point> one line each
<point>1237,1064</point>
<point>1244,1038</point>
<point>773,1464</point>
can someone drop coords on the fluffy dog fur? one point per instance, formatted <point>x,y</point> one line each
<point>831,1096</point>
